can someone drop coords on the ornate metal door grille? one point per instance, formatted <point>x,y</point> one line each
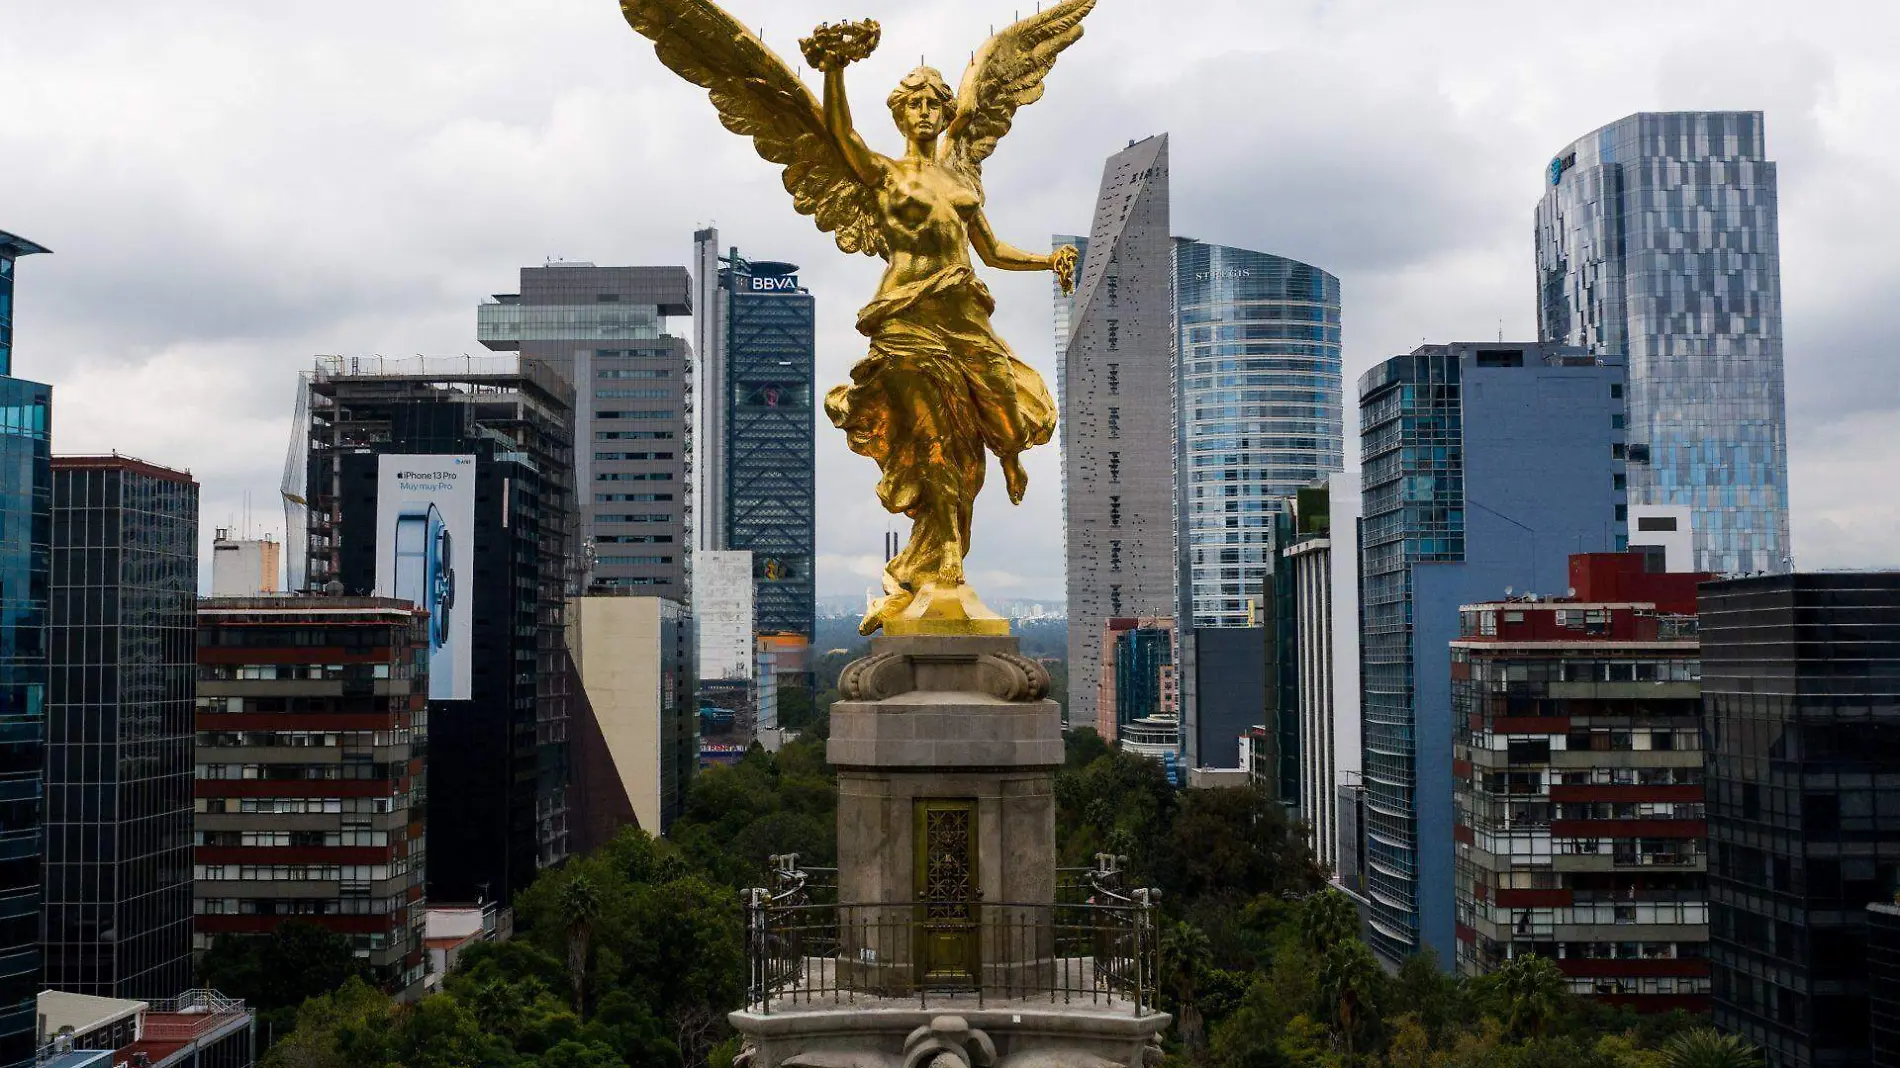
<point>947,891</point>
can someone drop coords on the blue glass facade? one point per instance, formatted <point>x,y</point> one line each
<point>1484,466</point>
<point>1260,414</point>
<point>12,247</point>
<point>770,478</point>
<point>1657,241</point>
<point>26,518</point>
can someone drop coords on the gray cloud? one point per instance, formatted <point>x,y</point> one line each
<point>231,188</point>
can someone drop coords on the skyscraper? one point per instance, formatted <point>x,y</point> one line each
<point>1260,414</point>
<point>1325,575</point>
<point>496,593</point>
<point>26,529</point>
<point>1657,241</point>
<point>119,728</point>
<point>756,469</point>
<point>604,330</point>
<point>1803,718</point>
<point>1484,467</point>
<point>1117,434</point>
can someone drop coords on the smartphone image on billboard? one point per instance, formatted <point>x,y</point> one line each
<point>427,518</point>
<point>425,576</point>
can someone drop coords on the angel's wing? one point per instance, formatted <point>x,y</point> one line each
<point>759,96</point>
<point>1003,76</point>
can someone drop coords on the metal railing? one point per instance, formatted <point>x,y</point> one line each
<point>1096,944</point>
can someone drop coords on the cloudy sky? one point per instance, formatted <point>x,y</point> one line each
<point>232,186</point>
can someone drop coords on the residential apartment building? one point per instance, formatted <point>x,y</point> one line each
<point>605,332</point>
<point>1578,771</point>
<point>313,775</point>
<point>1484,467</point>
<point>1117,436</point>
<point>117,899</point>
<point>1801,705</point>
<point>26,522</point>
<point>1658,245</point>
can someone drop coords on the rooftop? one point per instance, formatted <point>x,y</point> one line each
<point>16,246</point>
<point>119,462</point>
<point>59,1009</point>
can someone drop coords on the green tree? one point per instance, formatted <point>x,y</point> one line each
<point>1081,746</point>
<point>1707,1048</point>
<point>277,972</point>
<point>1120,803</point>
<point>1185,956</point>
<point>581,903</point>
<point>1533,993</point>
<point>1236,843</point>
<point>1348,977</point>
<point>1326,918</point>
<point>347,1028</point>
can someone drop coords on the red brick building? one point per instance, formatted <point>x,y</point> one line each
<point>309,785</point>
<point>1581,820</point>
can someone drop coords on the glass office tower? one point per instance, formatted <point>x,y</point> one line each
<point>1484,466</point>
<point>26,522</point>
<point>119,728</point>
<point>1802,713</point>
<point>757,347</point>
<point>1261,414</point>
<point>1657,241</point>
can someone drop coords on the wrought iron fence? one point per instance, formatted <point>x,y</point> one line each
<point>1095,943</point>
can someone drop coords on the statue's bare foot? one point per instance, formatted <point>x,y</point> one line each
<point>1015,479</point>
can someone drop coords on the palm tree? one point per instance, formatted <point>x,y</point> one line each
<point>1347,974</point>
<point>1326,918</point>
<point>1185,955</point>
<point>1534,990</point>
<point>1705,1047</point>
<point>581,902</point>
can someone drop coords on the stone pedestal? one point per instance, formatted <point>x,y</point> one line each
<point>949,949</point>
<point>963,724</point>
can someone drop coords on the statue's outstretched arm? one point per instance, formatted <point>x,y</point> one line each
<point>864,163</point>
<point>832,48</point>
<point>1005,257</point>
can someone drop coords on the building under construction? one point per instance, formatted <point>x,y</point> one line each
<point>498,760</point>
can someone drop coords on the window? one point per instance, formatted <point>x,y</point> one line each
<point>1500,357</point>
<point>643,394</point>
<point>1655,522</point>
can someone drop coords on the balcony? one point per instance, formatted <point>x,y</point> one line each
<point>1094,947</point>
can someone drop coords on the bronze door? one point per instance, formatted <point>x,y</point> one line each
<point>947,892</point>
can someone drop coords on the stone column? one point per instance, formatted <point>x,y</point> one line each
<point>947,719</point>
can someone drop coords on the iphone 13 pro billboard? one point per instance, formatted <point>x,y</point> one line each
<point>425,554</point>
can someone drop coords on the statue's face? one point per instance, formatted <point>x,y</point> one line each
<point>920,116</point>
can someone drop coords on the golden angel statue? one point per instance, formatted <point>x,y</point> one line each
<point>938,387</point>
